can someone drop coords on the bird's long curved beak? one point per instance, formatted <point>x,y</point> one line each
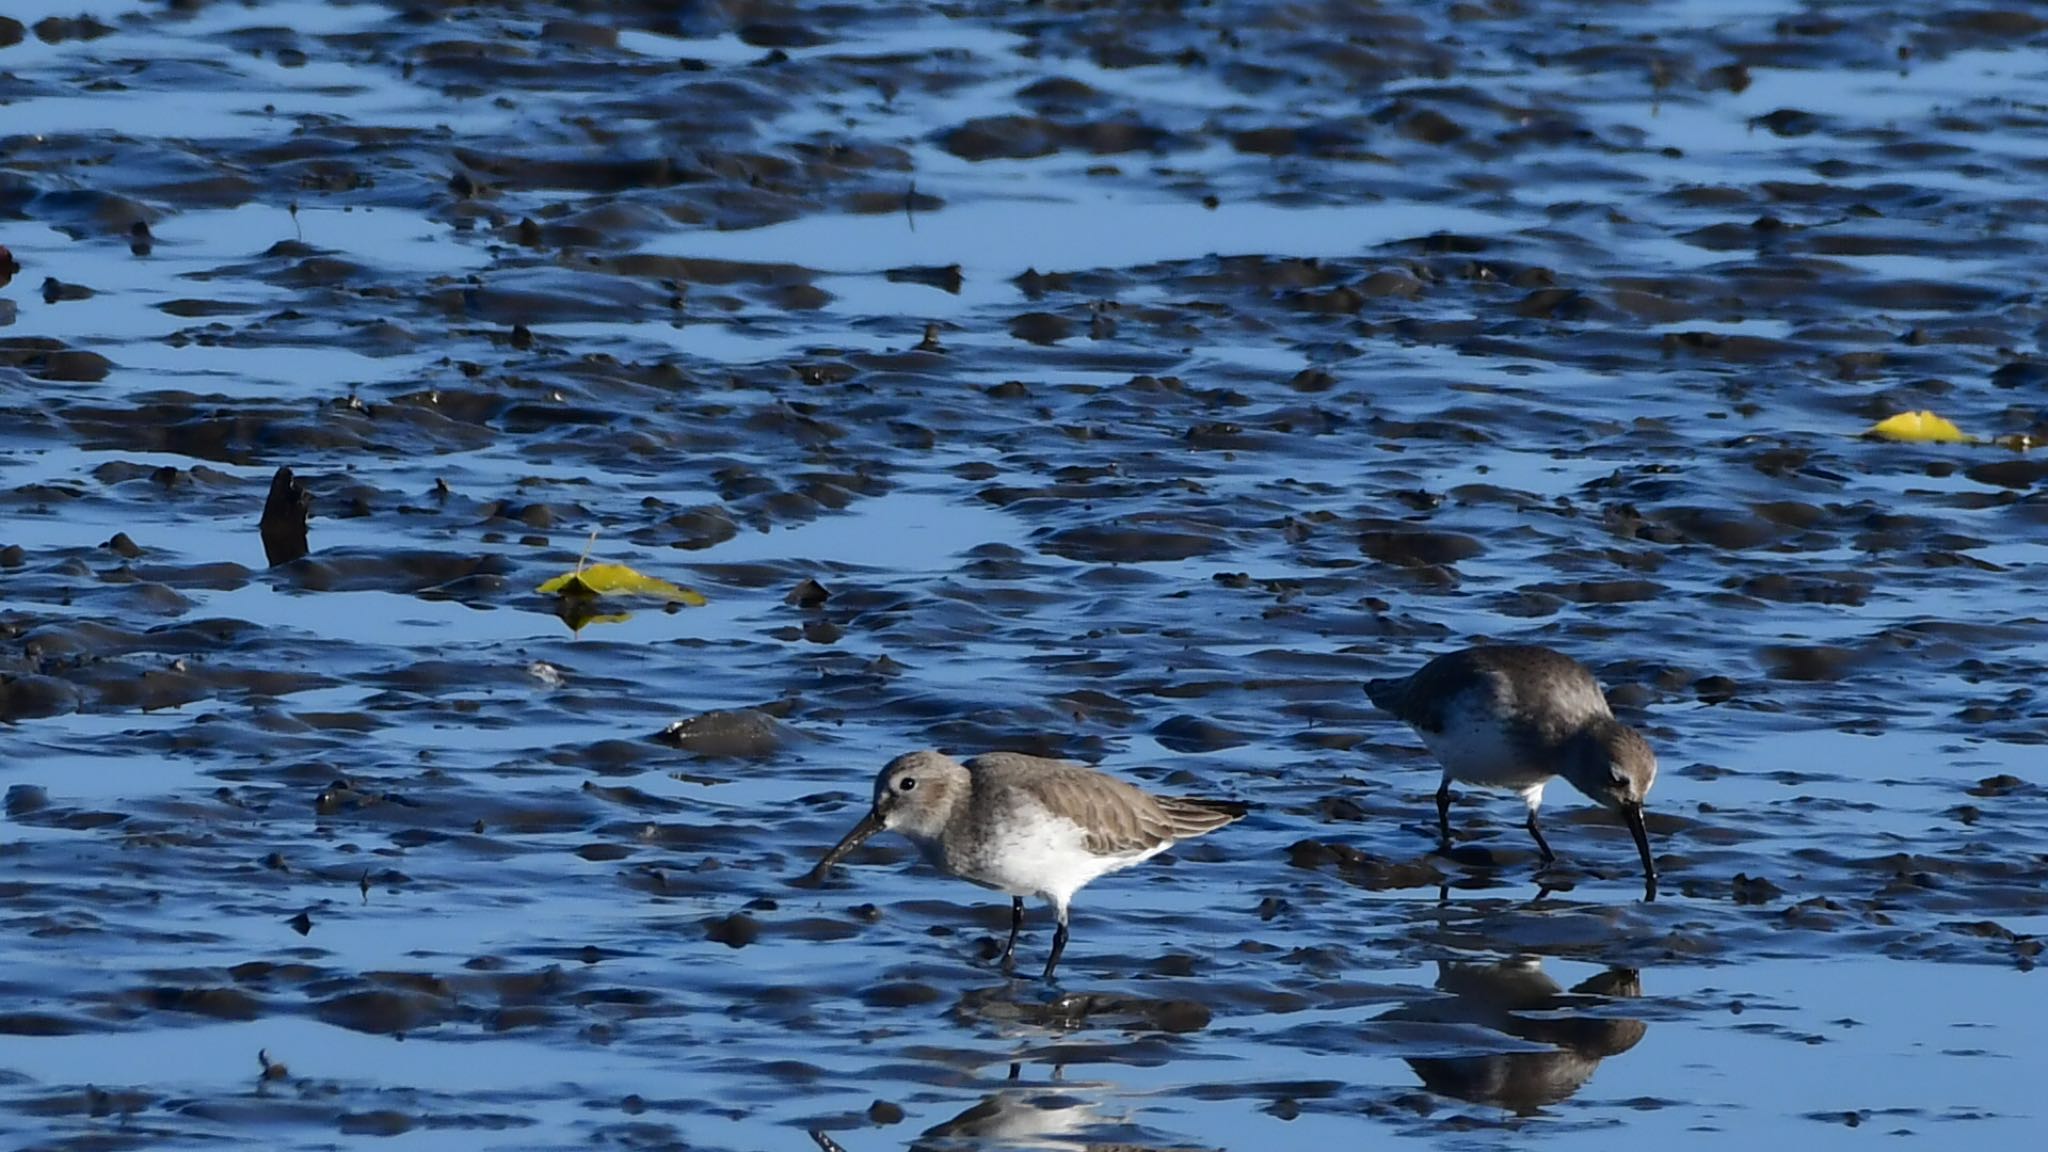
<point>868,826</point>
<point>1633,813</point>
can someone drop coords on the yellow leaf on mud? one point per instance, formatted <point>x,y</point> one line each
<point>617,579</point>
<point>1919,428</point>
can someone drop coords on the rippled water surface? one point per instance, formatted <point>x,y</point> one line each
<point>1124,382</point>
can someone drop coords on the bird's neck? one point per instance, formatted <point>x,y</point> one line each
<point>1582,758</point>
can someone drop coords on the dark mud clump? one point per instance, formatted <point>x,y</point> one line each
<point>744,734</point>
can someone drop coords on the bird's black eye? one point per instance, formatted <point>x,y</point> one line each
<point>907,784</point>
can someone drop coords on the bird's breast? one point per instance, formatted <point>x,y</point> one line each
<point>1030,853</point>
<point>1478,748</point>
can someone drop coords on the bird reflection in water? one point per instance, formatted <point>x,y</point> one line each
<point>1041,1117</point>
<point>1055,1115</point>
<point>1518,1000</point>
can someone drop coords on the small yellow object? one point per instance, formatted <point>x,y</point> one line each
<point>1919,428</point>
<point>606,579</point>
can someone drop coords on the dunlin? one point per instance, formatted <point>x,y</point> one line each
<point>1514,717</point>
<point>1025,825</point>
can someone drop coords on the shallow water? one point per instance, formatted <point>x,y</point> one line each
<point>1135,383</point>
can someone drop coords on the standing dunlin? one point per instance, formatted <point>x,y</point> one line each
<point>1025,825</point>
<point>1514,716</point>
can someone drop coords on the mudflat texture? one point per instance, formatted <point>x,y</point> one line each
<point>1121,382</point>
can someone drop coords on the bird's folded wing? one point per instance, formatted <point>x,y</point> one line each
<point>1119,820</point>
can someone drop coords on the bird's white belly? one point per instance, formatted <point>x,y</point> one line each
<point>1476,750</point>
<point>1044,856</point>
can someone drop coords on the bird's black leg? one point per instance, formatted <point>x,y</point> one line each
<point>1016,926</point>
<point>1059,945</point>
<point>1536,830</point>
<point>1443,813</point>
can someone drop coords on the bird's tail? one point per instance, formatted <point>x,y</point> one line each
<point>1388,693</point>
<point>1192,817</point>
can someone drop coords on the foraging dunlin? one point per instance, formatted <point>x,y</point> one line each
<point>1025,825</point>
<point>1514,716</point>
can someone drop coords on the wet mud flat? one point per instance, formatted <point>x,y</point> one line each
<point>1126,384</point>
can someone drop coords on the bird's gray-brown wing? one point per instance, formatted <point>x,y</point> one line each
<point>1196,817</point>
<point>1422,699</point>
<point>1542,694</point>
<point>1117,818</point>
<point>1554,694</point>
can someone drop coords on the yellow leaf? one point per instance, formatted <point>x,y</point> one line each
<point>608,579</point>
<point>1919,428</point>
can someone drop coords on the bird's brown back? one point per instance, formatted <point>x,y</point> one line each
<point>1509,674</point>
<point>1116,818</point>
